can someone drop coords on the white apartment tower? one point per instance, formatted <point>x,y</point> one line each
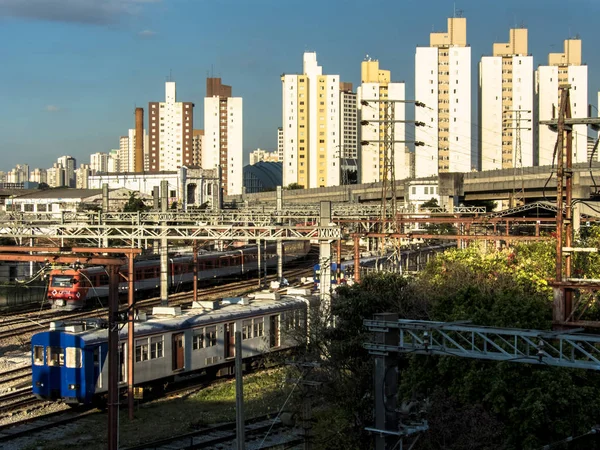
<point>122,154</point>
<point>223,135</point>
<point>170,132</point>
<point>563,68</point>
<point>376,114</point>
<point>443,84</point>
<point>69,164</point>
<point>348,132</point>
<point>99,162</point>
<point>506,105</point>
<point>311,126</point>
<point>280,143</point>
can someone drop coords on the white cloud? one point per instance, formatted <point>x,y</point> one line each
<point>147,33</point>
<point>51,108</point>
<point>96,12</point>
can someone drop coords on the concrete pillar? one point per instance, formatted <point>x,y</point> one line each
<point>104,197</point>
<point>164,251</point>
<point>325,254</point>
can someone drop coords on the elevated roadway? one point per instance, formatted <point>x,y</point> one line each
<point>539,183</point>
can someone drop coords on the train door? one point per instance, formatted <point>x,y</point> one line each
<point>122,364</point>
<point>229,340</point>
<point>97,373</point>
<point>274,330</point>
<point>177,351</point>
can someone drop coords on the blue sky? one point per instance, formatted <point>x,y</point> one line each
<point>74,70</point>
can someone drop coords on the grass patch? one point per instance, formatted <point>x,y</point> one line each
<point>264,393</point>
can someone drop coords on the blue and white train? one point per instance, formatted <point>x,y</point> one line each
<point>69,362</point>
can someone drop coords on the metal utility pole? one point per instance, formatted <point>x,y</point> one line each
<point>130,333</point>
<point>565,286</point>
<point>113,357</point>
<point>388,172</point>
<point>239,394</point>
<point>516,160</point>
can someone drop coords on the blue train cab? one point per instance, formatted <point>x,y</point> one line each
<point>58,365</point>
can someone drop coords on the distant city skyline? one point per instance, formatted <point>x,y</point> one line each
<point>78,70</point>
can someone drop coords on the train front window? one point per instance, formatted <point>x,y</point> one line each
<point>73,358</point>
<point>38,355</point>
<point>56,356</point>
<point>62,281</point>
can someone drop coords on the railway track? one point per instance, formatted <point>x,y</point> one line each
<point>32,426</point>
<point>263,431</point>
<point>12,375</point>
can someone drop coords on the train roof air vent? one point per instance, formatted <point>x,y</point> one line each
<point>236,301</point>
<point>166,311</point>
<point>205,304</point>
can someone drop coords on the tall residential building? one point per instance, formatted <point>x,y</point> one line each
<point>378,99</point>
<point>348,133</point>
<point>197,144</point>
<point>99,162</point>
<point>259,155</point>
<point>38,176</point>
<point>82,175</point>
<point>69,164</point>
<point>57,175</point>
<point>113,163</point>
<point>280,143</point>
<point>20,174</point>
<point>123,153</point>
<point>563,68</point>
<point>170,132</point>
<point>443,84</point>
<point>311,126</point>
<point>223,127</point>
<point>506,105</point>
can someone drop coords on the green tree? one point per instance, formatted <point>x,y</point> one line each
<point>134,204</point>
<point>293,186</point>
<point>473,404</point>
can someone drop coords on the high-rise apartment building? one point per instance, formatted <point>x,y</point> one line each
<point>443,84</point>
<point>280,143</point>
<point>348,133</point>
<point>382,110</point>
<point>38,176</point>
<point>123,154</point>
<point>260,155</point>
<point>69,164</point>
<point>223,135</point>
<point>82,175</point>
<point>506,105</point>
<point>113,164</point>
<point>563,68</point>
<point>170,132</point>
<point>99,162</point>
<point>311,126</point>
<point>197,144</point>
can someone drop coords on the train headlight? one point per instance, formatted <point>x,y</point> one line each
<point>39,384</point>
<point>73,387</point>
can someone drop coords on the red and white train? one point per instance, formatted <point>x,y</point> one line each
<point>71,289</point>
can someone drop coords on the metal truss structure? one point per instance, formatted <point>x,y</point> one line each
<point>134,234</point>
<point>551,348</point>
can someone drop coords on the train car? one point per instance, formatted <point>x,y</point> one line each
<point>70,288</point>
<point>69,362</point>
